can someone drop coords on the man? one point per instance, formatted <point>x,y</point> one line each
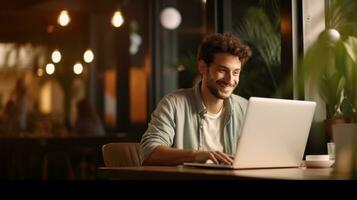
<point>201,123</point>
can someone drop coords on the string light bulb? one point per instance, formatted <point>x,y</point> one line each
<point>56,56</point>
<point>88,56</point>
<point>117,19</point>
<point>50,68</point>
<point>64,18</point>
<point>78,68</point>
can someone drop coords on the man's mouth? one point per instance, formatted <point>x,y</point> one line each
<point>224,86</point>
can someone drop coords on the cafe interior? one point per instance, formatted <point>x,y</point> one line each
<point>78,74</point>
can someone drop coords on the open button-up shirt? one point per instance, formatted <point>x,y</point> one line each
<point>177,122</point>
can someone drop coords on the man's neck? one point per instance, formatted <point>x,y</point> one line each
<point>212,103</point>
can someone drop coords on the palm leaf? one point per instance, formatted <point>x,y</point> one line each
<point>257,29</point>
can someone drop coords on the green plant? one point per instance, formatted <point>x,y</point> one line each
<point>261,75</point>
<point>330,65</point>
<point>320,70</point>
<point>349,103</point>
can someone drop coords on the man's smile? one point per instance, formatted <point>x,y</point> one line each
<point>225,86</point>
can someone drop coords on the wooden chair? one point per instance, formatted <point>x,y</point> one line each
<point>121,154</point>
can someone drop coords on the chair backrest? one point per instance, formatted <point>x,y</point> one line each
<point>121,154</point>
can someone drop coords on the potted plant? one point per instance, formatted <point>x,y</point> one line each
<point>330,66</point>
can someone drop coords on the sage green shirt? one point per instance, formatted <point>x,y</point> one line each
<point>177,122</point>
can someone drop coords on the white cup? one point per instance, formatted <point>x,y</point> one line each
<point>331,150</point>
<point>317,157</point>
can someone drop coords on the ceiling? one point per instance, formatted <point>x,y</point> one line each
<point>30,20</point>
<point>18,4</point>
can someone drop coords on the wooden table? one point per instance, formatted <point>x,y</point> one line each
<point>192,173</point>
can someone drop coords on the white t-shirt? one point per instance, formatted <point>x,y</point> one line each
<point>212,131</point>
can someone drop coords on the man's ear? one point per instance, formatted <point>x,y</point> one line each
<point>202,67</point>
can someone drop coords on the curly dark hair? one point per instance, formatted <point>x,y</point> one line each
<point>223,43</point>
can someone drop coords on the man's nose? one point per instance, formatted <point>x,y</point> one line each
<point>229,78</point>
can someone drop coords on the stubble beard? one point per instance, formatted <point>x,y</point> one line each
<point>215,91</point>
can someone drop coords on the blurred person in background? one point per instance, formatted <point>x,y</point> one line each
<point>20,98</point>
<point>88,121</point>
<point>14,115</point>
<point>8,119</point>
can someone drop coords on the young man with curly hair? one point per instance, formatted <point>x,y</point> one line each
<point>201,123</point>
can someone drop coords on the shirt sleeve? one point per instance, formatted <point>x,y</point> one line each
<point>161,129</point>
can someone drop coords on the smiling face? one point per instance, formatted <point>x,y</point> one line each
<point>221,77</point>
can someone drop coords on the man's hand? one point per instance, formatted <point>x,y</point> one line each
<point>168,156</point>
<point>216,156</point>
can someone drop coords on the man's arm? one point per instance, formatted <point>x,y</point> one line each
<point>163,155</point>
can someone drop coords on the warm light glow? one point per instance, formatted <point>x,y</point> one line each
<point>45,98</point>
<point>63,18</point>
<point>181,68</point>
<point>88,56</point>
<point>117,19</point>
<point>50,68</point>
<point>78,68</point>
<point>39,72</point>
<point>56,56</point>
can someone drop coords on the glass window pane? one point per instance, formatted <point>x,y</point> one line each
<point>178,45</point>
<point>257,23</point>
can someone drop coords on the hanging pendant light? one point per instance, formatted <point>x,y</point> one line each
<point>50,68</point>
<point>117,19</point>
<point>78,68</point>
<point>64,18</point>
<point>56,56</point>
<point>170,18</point>
<point>88,56</point>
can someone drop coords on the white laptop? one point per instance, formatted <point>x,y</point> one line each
<point>274,134</point>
